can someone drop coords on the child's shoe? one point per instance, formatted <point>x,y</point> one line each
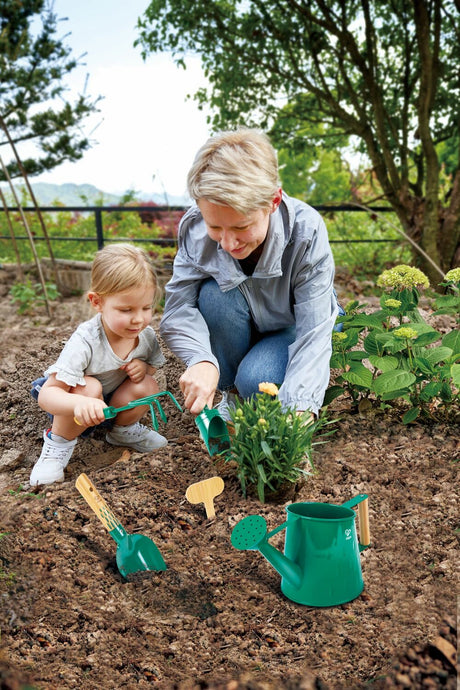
<point>53,460</point>
<point>136,436</point>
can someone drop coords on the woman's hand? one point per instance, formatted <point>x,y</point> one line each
<point>198,385</point>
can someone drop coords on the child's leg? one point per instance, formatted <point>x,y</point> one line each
<point>60,441</point>
<point>127,430</point>
<point>65,426</point>
<point>129,391</point>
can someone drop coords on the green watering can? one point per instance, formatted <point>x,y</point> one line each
<point>213,430</point>
<point>135,552</point>
<point>321,562</point>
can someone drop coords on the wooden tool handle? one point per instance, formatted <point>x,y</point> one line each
<point>363,517</point>
<point>95,501</point>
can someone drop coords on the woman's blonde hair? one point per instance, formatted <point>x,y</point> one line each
<point>120,267</point>
<point>237,169</point>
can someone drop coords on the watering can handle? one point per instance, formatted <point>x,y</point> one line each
<point>95,501</point>
<point>362,501</point>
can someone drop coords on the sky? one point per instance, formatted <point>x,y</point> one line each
<point>147,132</point>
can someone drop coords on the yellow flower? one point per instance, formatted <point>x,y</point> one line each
<point>269,388</point>
<point>453,276</point>
<point>262,422</point>
<point>405,332</point>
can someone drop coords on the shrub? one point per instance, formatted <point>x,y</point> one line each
<point>403,358</point>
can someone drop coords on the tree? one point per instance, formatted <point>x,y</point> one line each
<point>33,107</point>
<point>384,72</point>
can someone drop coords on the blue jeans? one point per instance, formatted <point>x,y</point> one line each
<point>246,357</point>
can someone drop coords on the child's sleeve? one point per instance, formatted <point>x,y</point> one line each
<point>73,361</point>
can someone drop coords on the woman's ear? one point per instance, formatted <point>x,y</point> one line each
<point>276,200</point>
<point>95,300</point>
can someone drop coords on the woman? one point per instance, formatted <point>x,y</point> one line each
<point>251,298</point>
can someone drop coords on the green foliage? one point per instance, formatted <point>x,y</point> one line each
<point>383,76</point>
<point>28,296</point>
<point>33,104</point>
<point>271,445</point>
<point>117,226</point>
<point>406,359</point>
<point>450,302</point>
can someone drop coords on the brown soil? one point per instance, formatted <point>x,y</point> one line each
<point>216,618</point>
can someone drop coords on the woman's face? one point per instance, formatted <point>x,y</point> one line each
<point>237,234</point>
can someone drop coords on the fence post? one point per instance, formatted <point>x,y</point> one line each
<point>99,228</point>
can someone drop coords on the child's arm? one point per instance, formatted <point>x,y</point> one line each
<point>56,398</point>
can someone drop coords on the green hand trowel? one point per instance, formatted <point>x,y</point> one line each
<point>213,430</point>
<point>135,552</point>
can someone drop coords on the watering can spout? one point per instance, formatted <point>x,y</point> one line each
<point>251,534</point>
<point>288,570</point>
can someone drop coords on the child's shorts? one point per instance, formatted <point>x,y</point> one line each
<point>36,388</point>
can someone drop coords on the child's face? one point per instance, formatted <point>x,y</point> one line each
<point>237,234</point>
<point>125,314</point>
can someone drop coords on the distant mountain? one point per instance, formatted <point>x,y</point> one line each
<point>84,195</point>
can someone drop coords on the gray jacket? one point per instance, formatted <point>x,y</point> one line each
<point>291,285</point>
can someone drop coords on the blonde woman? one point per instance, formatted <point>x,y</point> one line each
<point>112,357</point>
<point>251,298</point>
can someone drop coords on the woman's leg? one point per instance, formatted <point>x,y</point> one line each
<point>230,326</point>
<point>266,361</point>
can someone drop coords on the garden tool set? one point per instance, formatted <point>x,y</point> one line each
<point>321,563</point>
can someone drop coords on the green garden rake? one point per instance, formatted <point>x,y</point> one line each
<point>150,400</point>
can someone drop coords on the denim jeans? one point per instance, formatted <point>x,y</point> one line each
<point>246,357</point>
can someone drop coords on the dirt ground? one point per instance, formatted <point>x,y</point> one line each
<point>216,618</point>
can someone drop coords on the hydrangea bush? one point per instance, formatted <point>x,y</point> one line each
<point>394,355</point>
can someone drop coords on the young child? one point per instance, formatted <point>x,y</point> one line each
<point>111,357</point>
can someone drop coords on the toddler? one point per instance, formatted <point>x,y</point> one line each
<point>112,357</point>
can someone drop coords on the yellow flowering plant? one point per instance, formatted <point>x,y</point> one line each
<point>271,445</point>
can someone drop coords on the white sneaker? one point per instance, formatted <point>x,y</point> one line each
<point>226,404</point>
<point>53,460</point>
<point>136,436</point>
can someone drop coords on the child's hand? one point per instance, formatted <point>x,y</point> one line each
<point>136,370</point>
<point>89,411</point>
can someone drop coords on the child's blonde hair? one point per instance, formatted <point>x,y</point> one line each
<point>120,267</point>
<point>237,169</point>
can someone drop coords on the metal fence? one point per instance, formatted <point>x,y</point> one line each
<point>162,211</point>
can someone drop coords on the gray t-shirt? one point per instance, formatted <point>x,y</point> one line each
<point>88,352</point>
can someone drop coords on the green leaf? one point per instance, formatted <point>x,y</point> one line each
<point>411,415</point>
<point>331,394</point>
<point>437,354</point>
<point>426,338</point>
<point>452,340</point>
<point>431,390</point>
<point>358,375</point>
<point>367,321</point>
<point>424,366</point>
<point>386,363</point>
<point>392,381</point>
<point>455,371</point>
<point>266,449</point>
<point>372,345</point>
